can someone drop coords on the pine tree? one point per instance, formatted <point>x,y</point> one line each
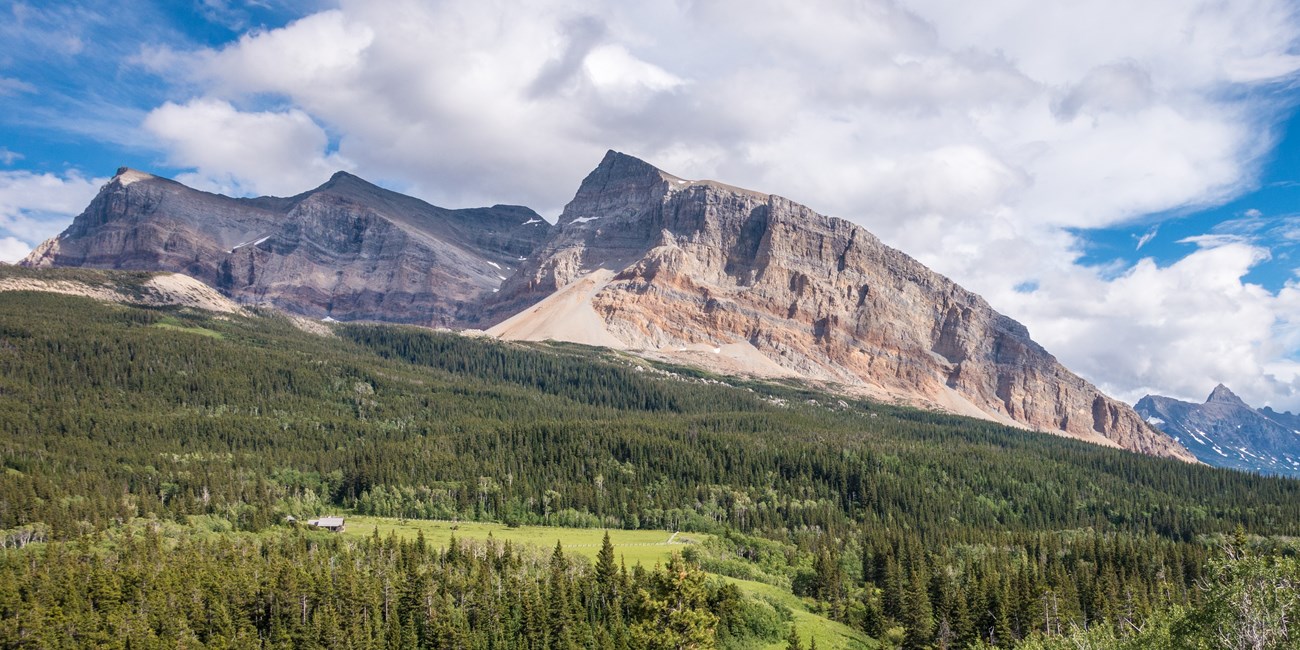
<point>792,641</point>
<point>918,616</point>
<point>873,618</point>
<point>561,625</point>
<point>607,579</point>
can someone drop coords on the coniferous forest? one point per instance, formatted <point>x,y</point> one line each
<point>151,455</point>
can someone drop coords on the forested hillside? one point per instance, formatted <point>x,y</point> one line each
<point>931,529</point>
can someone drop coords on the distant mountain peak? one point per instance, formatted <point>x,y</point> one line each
<point>348,249</point>
<point>342,179</point>
<point>1226,432</point>
<point>619,160</point>
<point>1222,395</point>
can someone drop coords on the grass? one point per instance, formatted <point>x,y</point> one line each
<point>829,634</point>
<point>646,547</point>
<point>201,331</point>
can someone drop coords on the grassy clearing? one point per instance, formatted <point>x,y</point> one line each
<point>644,546</point>
<point>633,546</point>
<point>201,331</point>
<point>828,634</point>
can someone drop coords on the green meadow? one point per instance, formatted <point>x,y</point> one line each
<point>646,547</point>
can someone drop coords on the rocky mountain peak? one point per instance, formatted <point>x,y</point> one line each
<point>749,282</point>
<point>126,176</point>
<point>1221,395</point>
<point>619,179</point>
<point>1226,432</point>
<point>348,249</point>
<point>345,184</point>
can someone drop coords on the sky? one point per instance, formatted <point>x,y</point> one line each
<point>1122,177</point>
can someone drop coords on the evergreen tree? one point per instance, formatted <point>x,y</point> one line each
<point>792,641</point>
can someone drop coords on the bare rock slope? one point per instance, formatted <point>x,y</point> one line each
<point>347,249</point>
<point>657,263</point>
<point>152,289</point>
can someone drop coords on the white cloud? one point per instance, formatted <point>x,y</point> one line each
<point>11,86</point>
<point>236,152</point>
<point>1176,330</point>
<point>13,249</point>
<point>977,140</point>
<point>35,207</point>
<point>1146,238</point>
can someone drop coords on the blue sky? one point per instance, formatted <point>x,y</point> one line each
<point>1267,211</point>
<point>1122,177</point>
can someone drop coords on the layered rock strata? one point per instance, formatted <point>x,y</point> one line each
<point>683,265</point>
<point>347,250</point>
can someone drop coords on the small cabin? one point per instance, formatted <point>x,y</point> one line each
<point>332,524</point>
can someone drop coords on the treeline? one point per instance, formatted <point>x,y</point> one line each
<point>295,590</point>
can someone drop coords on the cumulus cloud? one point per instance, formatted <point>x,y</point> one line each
<point>35,207</point>
<point>237,152</point>
<point>979,141</point>
<point>1176,330</point>
<point>13,249</point>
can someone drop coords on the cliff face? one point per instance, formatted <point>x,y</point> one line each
<point>679,265</point>
<point>347,249</point>
<point>1226,432</point>
<point>697,271</point>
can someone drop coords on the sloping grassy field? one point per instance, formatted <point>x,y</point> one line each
<point>646,547</point>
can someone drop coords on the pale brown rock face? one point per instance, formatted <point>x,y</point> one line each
<point>704,264</point>
<point>347,249</point>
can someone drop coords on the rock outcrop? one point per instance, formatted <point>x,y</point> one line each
<point>347,249</point>
<point>1226,432</point>
<point>698,266</point>
<point>151,289</point>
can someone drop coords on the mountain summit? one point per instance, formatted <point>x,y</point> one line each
<point>1226,432</point>
<point>694,271</point>
<point>1221,395</point>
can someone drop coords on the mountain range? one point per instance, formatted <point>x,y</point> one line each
<point>699,272</point>
<point>1226,432</point>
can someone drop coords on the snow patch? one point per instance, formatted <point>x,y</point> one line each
<point>1155,421</point>
<point>531,221</point>
<point>249,243</point>
<point>495,265</point>
<point>328,319</point>
<point>584,219</point>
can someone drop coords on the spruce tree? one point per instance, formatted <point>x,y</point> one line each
<point>792,641</point>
